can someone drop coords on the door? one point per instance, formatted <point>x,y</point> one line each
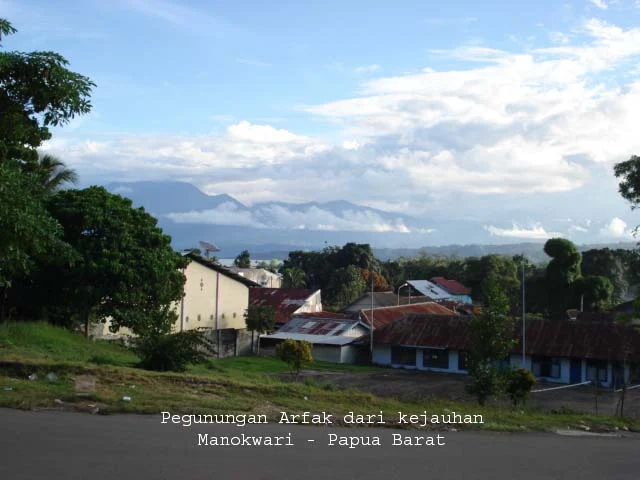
<point>575,373</point>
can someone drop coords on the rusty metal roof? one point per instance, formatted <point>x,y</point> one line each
<point>319,326</point>
<point>284,300</point>
<point>569,339</point>
<point>384,316</point>
<point>452,286</point>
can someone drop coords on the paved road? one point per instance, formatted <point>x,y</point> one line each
<point>56,445</point>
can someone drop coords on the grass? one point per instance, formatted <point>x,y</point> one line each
<point>233,385</point>
<point>44,343</point>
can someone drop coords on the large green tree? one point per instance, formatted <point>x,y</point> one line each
<point>607,263</point>
<point>346,285</point>
<point>125,268</point>
<point>561,275</point>
<point>37,91</point>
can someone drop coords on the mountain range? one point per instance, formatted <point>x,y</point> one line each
<point>271,229</point>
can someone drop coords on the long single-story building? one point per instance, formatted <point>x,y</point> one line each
<point>555,351</point>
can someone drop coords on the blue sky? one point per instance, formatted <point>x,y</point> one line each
<point>512,113</point>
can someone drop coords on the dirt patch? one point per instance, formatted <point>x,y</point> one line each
<point>414,386</point>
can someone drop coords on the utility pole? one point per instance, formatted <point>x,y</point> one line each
<point>371,326</point>
<point>524,356</point>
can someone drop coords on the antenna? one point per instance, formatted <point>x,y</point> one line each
<point>208,248</point>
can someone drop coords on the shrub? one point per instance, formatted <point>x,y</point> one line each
<point>295,354</point>
<point>518,384</point>
<point>174,351</point>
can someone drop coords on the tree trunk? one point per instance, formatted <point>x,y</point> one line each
<point>87,321</point>
<point>3,301</point>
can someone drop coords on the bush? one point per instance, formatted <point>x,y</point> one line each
<point>174,351</point>
<point>295,354</point>
<point>518,384</point>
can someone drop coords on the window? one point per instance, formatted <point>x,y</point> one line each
<point>403,356</point>
<point>597,370</point>
<point>434,358</point>
<point>546,367</point>
<point>199,317</point>
<point>463,360</point>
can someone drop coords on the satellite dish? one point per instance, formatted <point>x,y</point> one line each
<point>208,248</point>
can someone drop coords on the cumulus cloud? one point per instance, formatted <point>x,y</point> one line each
<point>616,228</point>
<point>530,122</point>
<point>535,232</point>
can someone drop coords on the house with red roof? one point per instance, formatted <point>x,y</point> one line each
<point>454,288</point>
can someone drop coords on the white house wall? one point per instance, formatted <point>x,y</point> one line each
<point>209,293</point>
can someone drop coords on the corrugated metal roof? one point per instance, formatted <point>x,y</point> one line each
<point>591,340</point>
<point>316,325</point>
<point>386,299</point>
<point>315,339</point>
<point>429,289</point>
<point>452,286</point>
<point>386,315</point>
<point>284,300</point>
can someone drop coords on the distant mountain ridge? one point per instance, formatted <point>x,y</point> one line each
<point>272,229</point>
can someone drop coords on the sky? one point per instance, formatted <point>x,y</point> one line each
<point>511,114</point>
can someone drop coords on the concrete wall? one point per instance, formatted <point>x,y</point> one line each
<point>382,355</point>
<point>327,353</point>
<point>211,300</point>
<point>230,342</point>
<point>313,304</point>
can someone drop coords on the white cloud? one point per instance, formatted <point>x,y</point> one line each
<point>601,4</point>
<point>519,124</point>
<point>616,228</point>
<point>535,232</point>
<point>284,217</point>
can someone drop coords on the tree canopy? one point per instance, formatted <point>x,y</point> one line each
<point>37,91</point>
<point>124,268</point>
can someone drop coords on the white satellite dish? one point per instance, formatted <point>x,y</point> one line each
<point>208,248</point>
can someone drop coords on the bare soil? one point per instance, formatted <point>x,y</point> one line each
<point>411,386</point>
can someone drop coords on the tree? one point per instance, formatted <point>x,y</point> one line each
<point>52,173</point>
<point>629,174</point>
<point>294,277</point>
<point>607,263</point>
<point>379,282</point>
<point>562,272</point>
<point>36,92</point>
<point>295,354</point>
<point>491,342</point>
<point>261,319</point>
<point>124,269</point>
<point>345,286</point>
<point>26,229</point>
<point>243,260</point>
<point>596,292</point>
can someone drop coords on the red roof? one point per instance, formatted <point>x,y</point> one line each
<point>384,316</point>
<point>454,287</point>
<point>284,300</point>
<point>324,315</point>
<point>568,339</point>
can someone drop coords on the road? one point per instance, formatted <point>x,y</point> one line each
<point>59,445</point>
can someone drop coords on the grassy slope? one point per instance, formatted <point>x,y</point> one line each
<point>234,385</point>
